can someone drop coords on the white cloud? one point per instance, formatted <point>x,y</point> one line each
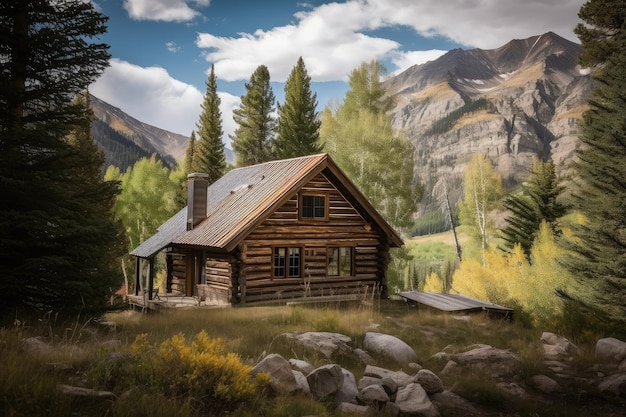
<point>483,24</point>
<point>332,41</point>
<point>164,10</point>
<point>152,96</point>
<point>404,60</point>
<point>172,47</point>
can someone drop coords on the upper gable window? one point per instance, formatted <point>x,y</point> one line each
<point>313,207</point>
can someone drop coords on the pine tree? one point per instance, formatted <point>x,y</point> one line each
<point>48,257</point>
<point>537,202</point>
<point>252,140</point>
<point>189,154</point>
<point>298,122</point>
<point>208,154</point>
<point>600,244</point>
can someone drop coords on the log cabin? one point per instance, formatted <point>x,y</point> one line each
<point>274,232</point>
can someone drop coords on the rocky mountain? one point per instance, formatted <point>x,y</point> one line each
<point>512,103</point>
<point>125,139</point>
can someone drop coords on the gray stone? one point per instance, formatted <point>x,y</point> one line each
<point>611,350</point>
<point>366,381</point>
<point>545,384</point>
<point>301,382</point>
<point>364,356</point>
<point>373,394</point>
<point>302,366</point>
<point>453,404</point>
<point>497,361</point>
<point>429,381</point>
<point>413,401</point>
<point>282,379</point>
<point>325,380</point>
<point>390,410</point>
<point>348,391</point>
<point>85,392</point>
<point>450,368</point>
<point>401,378</point>
<point>389,385</point>
<point>352,409</point>
<point>326,343</point>
<point>390,347</point>
<point>512,389</point>
<point>614,384</point>
<point>36,346</point>
<point>555,347</point>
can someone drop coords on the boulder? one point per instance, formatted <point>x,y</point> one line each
<point>545,384</point>
<point>401,378</point>
<point>364,356</point>
<point>374,395</point>
<point>389,346</point>
<point>366,381</point>
<point>389,410</point>
<point>429,381</point>
<point>301,366</point>
<point>282,379</point>
<point>611,350</point>
<point>453,404</point>
<point>352,409</point>
<point>348,391</point>
<point>326,343</point>
<point>301,382</point>
<point>450,368</point>
<point>614,384</point>
<point>325,380</point>
<point>497,361</point>
<point>512,389</point>
<point>85,392</point>
<point>555,347</point>
<point>412,400</point>
<point>36,346</point>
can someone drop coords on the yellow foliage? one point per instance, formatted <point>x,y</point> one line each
<point>433,283</point>
<point>510,277</point>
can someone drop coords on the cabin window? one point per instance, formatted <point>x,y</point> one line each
<point>340,262</point>
<point>287,263</point>
<point>313,207</point>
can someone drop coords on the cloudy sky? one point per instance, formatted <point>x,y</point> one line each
<point>162,49</point>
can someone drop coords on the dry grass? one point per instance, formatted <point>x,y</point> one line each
<point>475,117</point>
<point>437,92</point>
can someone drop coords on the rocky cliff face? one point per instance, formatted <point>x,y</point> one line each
<point>513,103</point>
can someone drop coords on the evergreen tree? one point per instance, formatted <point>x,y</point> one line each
<point>298,122</point>
<point>54,246</point>
<point>600,244</point>
<point>252,140</point>
<point>537,202</point>
<point>208,154</point>
<point>366,90</point>
<point>189,154</point>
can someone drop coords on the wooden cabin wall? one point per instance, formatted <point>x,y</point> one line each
<point>344,227</point>
<point>219,272</point>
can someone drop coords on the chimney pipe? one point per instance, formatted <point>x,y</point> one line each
<point>197,185</point>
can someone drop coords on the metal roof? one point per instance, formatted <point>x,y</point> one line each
<point>244,197</point>
<point>452,302</point>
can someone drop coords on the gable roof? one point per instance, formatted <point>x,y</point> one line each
<point>245,197</point>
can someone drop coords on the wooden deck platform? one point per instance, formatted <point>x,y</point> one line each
<point>455,303</point>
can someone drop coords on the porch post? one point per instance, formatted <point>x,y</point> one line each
<point>150,278</point>
<point>137,275</point>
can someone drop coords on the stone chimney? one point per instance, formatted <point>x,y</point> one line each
<point>197,185</point>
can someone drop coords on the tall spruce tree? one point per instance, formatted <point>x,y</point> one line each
<point>54,246</point>
<point>189,153</point>
<point>600,244</point>
<point>252,140</point>
<point>298,121</point>
<point>537,201</point>
<point>208,154</point>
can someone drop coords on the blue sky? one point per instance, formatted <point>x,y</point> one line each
<point>162,49</point>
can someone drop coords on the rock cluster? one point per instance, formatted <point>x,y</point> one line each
<point>413,391</point>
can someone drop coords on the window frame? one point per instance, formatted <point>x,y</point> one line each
<point>286,266</point>
<point>314,195</point>
<point>340,265</point>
